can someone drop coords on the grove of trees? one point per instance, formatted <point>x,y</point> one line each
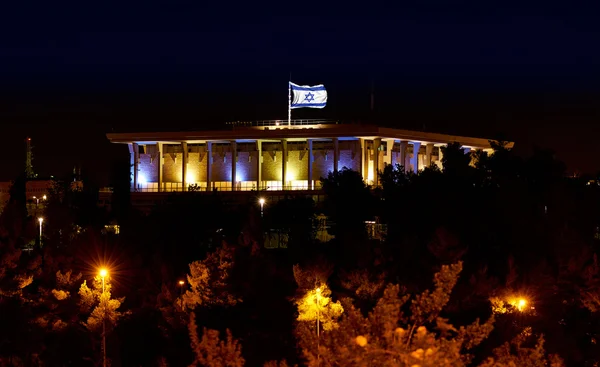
<point>490,262</point>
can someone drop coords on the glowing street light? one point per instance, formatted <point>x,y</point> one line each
<point>181,284</point>
<point>41,220</point>
<point>261,201</point>
<point>521,303</point>
<point>103,274</point>
<point>44,197</point>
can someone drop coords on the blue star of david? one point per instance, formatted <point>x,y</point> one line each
<point>309,97</point>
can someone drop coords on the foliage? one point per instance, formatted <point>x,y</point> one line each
<point>208,280</point>
<point>313,275</point>
<point>517,353</point>
<point>363,284</point>
<point>385,337</point>
<point>100,303</point>
<point>211,351</point>
<point>316,305</point>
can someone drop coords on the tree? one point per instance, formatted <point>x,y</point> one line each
<point>388,338</point>
<point>100,304</point>
<point>455,162</point>
<point>208,280</point>
<point>317,306</point>
<point>103,311</point>
<point>211,351</point>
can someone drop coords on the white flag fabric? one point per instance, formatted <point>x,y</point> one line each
<point>307,96</point>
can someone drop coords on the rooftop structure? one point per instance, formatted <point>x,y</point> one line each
<point>273,156</point>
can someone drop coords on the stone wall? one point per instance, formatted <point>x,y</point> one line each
<point>172,167</point>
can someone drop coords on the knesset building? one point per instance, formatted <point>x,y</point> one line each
<point>275,155</point>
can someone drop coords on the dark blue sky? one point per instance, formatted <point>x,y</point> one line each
<point>70,71</point>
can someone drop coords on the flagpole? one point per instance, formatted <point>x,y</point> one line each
<point>289,103</point>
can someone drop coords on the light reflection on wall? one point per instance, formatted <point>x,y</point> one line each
<point>290,173</point>
<point>191,177</point>
<point>370,175</point>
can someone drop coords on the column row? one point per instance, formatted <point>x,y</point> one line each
<point>267,164</point>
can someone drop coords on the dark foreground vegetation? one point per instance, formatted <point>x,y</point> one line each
<point>493,264</point>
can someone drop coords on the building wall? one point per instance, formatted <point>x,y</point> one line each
<point>323,163</point>
<point>350,156</point>
<point>221,167</point>
<point>148,168</point>
<point>172,167</point>
<point>297,167</point>
<point>194,171</point>
<point>247,165</point>
<point>271,165</point>
<point>350,159</point>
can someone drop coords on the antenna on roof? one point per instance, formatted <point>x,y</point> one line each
<point>29,159</point>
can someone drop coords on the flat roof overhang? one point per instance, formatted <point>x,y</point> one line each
<point>282,132</point>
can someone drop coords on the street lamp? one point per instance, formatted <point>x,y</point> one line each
<point>261,201</point>
<point>41,220</point>
<point>103,275</point>
<point>44,197</point>
<point>521,303</point>
<point>37,201</point>
<point>181,283</point>
<point>318,319</point>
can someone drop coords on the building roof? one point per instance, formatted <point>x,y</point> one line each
<point>298,130</point>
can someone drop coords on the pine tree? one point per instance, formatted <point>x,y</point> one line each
<point>387,337</point>
<point>211,351</point>
<point>208,281</point>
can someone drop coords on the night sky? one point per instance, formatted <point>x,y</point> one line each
<point>72,71</point>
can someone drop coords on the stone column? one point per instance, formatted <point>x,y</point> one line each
<point>388,151</point>
<point>184,159</point>
<point>367,158</point>
<point>159,152</point>
<point>136,165</point>
<point>310,164</point>
<point>404,154</point>
<point>259,159</point>
<point>361,153</point>
<point>428,152</point>
<point>209,159</point>
<point>415,158</point>
<point>440,157</point>
<point>283,163</point>
<point>336,154</point>
<point>132,174</point>
<point>233,165</point>
<point>376,144</point>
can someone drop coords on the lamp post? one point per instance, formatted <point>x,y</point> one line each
<point>103,274</point>
<point>318,319</point>
<point>261,201</point>
<point>41,220</point>
<point>181,303</point>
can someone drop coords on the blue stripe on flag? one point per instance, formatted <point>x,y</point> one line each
<point>308,104</point>
<point>311,89</point>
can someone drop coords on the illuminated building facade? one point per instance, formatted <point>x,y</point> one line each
<point>273,156</point>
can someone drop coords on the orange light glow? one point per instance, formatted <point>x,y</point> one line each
<point>103,272</point>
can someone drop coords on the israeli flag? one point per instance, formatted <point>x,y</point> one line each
<point>307,96</point>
